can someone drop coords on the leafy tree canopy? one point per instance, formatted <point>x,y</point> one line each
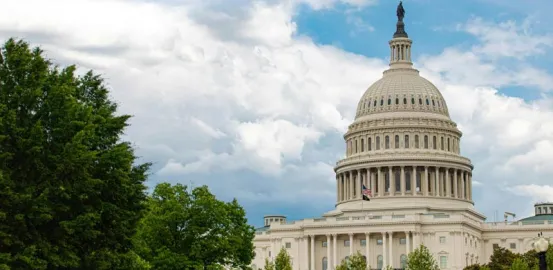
<point>70,191</point>
<point>421,259</point>
<point>184,230</point>
<point>354,262</point>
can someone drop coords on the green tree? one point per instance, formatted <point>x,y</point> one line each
<point>421,259</point>
<point>283,261</point>
<point>502,259</point>
<point>519,264</point>
<point>354,262</point>
<point>70,191</point>
<point>268,265</point>
<point>193,230</point>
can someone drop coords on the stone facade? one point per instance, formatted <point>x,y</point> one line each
<point>405,149</point>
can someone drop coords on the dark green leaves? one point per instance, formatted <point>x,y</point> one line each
<point>70,193</point>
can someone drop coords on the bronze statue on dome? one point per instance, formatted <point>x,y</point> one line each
<point>400,12</point>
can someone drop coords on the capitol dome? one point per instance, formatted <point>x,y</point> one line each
<point>402,90</point>
<point>402,147</point>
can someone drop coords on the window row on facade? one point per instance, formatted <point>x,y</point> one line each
<point>360,144</point>
<point>375,103</point>
<point>404,180</point>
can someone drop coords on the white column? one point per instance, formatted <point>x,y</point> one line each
<point>350,244</point>
<point>372,182</point>
<point>367,250</point>
<point>392,178</point>
<point>455,184</point>
<point>273,243</point>
<point>334,261</point>
<point>384,257</point>
<point>438,186</point>
<point>447,183</point>
<point>426,181</point>
<point>402,179</point>
<point>414,181</point>
<point>312,266</point>
<point>328,247</point>
<point>358,187</point>
<point>390,247</point>
<point>407,243</point>
<point>305,256</point>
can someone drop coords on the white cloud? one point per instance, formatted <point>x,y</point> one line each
<point>536,192</point>
<point>507,39</point>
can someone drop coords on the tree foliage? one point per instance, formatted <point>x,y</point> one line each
<point>519,264</point>
<point>184,230</point>
<point>70,192</point>
<point>354,262</point>
<point>421,259</point>
<point>283,261</point>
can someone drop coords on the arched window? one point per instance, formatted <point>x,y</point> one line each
<point>425,142</point>
<point>377,142</point>
<point>403,261</point>
<point>379,263</point>
<point>434,142</point>
<point>387,142</point>
<point>416,141</point>
<point>370,144</point>
<point>396,141</point>
<point>325,263</point>
<point>406,141</point>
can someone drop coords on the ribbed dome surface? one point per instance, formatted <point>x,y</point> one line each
<point>402,90</point>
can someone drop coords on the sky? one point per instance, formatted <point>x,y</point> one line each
<point>252,97</point>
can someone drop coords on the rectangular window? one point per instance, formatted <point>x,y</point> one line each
<point>379,242</point>
<point>363,242</point>
<point>402,241</point>
<point>513,245</point>
<point>346,243</point>
<point>442,239</point>
<point>288,245</point>
<point>443,262</point>
<point>325,244</point>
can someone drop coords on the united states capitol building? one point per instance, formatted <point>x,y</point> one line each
<point>403,147</point>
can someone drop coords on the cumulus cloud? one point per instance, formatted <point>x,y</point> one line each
<point>234,98</point>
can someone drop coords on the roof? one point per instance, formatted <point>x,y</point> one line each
<point>539,218</point>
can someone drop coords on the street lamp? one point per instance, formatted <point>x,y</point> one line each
<point>540,246</point>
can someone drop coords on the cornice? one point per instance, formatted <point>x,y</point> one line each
<point>399,158</point>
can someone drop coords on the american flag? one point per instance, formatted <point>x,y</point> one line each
<point>366,193</point>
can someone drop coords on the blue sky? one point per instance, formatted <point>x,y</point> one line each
<point>252,98</point>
